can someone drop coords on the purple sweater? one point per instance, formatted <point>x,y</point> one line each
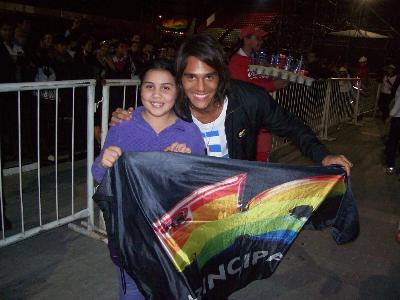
<point>137,135</point>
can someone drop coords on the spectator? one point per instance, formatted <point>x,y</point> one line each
<point>11,55</point>
<point>84,59</point>
<point>121,62</point>
<point>63,61</point>
<point>387,91</point>
<point>362,70</point>
<point>392,145</point>
<point>251,38</point>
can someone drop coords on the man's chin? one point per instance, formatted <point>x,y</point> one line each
<point>201,104</point>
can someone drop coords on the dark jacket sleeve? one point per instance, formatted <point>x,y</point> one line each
<point>272,116</point>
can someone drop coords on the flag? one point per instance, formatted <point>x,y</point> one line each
<point>187,227</point>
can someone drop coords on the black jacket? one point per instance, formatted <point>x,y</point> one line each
<point>250,109</point>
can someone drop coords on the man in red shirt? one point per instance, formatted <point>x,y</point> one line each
<point>239,66</point>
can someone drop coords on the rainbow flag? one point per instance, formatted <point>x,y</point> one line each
<point>200,228</point>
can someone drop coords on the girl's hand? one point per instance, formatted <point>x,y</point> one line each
<point>110,156</point>
<point>176,147</point>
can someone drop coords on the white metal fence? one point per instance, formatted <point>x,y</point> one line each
<point>322,106</point>
<point>327,103</point>
<point>40,216</point>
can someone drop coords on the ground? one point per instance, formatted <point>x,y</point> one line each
<point>62,264</point>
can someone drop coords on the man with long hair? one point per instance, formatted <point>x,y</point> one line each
<point>230,113</point>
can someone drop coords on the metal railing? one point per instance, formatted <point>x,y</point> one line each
<point>327,103</point>
<point>47,218</point>
<point>119,83</point>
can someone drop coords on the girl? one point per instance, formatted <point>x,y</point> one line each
<point>153,127</point>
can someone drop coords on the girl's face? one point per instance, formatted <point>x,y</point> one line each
<point>158,92</point>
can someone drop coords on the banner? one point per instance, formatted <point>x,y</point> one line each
<point>188,227</point>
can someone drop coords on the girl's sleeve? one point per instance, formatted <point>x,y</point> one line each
<point>197,143</point>
<point>111,140</point>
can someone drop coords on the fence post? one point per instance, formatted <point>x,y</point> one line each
<point>325,114</point>
<point>104,113</point>
<point>90,153</point>
<point>2,215</point>
<point>357,106</point>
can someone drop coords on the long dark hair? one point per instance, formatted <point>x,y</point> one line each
<point>207,49</point>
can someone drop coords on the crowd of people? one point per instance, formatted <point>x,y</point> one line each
<point>72,54</point>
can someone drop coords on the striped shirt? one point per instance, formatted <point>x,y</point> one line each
<point>214,134</point>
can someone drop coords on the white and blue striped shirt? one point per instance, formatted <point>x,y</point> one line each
<point>214,134</point>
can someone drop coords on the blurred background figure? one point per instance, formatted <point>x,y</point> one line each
<point>392,144</point>
<point>387,90</point>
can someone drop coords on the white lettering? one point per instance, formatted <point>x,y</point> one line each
<point>246,260</point>
<point>220,276</point>
<point>277,256</point>
<point>258,255</point>
<point>230,269</point>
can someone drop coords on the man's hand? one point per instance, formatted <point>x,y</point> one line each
<point>176,147</point>
<point>121,115</point>
<point>340,160</point>
<point>110,156</point>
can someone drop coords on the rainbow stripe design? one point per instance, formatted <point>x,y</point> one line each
<point>209,220</point>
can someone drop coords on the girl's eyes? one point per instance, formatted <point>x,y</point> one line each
<point>163,88</point>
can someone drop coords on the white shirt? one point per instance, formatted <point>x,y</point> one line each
<point>14,51</point>
<point>241,52</point>
<point>395,112</point>
<point>387,84</point>
<point>214,134</point>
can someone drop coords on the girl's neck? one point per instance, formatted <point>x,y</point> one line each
<point>159,123</point>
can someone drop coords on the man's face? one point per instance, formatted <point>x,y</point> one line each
<point>47,40</point>
<point>253,42</point>
<point>61,48</point>
<point>6,33</point>
<point>200,83</point>
<point>122,50</point>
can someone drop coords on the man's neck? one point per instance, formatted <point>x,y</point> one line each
<point>247,50</point>
<point>209,114</point>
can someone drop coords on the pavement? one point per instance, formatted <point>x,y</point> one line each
<point>62,264</point>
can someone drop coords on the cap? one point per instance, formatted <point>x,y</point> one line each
<point>251,30</point>
<point>391,66</point>
<point>363,59</point>
<point>342,69</point>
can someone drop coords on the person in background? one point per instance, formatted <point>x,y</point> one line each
<point>251,38</point>
<point>392,144</point>
<point>387,90</point>
<point>362,70</point>
<point>121,66</point>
